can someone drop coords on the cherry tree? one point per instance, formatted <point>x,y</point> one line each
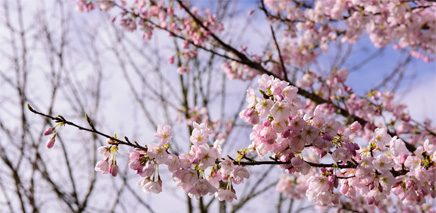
<point>333,147</point>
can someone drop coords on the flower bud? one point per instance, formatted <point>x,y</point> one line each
<point>51,142</point>
<point>49,131</point>
<point>113,169</point>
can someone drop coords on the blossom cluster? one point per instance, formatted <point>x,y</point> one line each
<point>199,172</point>
<point>312,26</point>
<point>235,70</point>
<point>377,168</point>
<point>376,106</point>
<point>108,163</point>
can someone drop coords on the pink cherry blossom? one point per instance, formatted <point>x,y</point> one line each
<point>201,188</point>
<point>108,163</point>
<point>200,134</point>
<point>292,186</point>
<point>382,163</point>
<point>250,116</point>
<point>102,166</point>
<point>225,195</point>
<point>164,133</point>
<point>320,190</point>
<point>239,174</point>
<point>151,186</point>
<point>105,5</point>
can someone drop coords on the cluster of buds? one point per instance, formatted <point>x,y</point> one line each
<point>52,132</point>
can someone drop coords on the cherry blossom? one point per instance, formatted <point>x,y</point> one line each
<point>164,133</point>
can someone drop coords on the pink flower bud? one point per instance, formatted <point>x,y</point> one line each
<point>51,142</point>
<point>113,169</point>
<point>49,131</point>
<point>171,60</point>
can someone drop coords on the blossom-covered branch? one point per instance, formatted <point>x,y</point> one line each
<point>289,132</point>
<point>334,147</point>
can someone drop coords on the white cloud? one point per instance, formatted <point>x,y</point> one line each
<point>421,99</point>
